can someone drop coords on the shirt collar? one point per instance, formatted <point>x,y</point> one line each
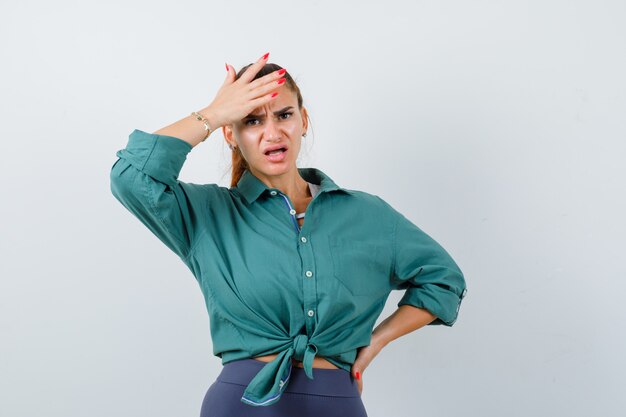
<point>251,187</point>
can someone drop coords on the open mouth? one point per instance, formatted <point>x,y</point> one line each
<point>276,151</point>
<point>276,155</point>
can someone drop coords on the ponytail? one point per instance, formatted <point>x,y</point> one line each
<point>239,162</point>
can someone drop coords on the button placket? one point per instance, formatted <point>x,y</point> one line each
<point>292,211</point>
<point>306,256</point>
<point>309,284</point>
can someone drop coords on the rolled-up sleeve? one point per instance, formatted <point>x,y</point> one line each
<point>144,179</point>
<point>432,279</point>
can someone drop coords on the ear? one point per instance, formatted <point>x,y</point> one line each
<point>305,118</point>
<point>227,131</point>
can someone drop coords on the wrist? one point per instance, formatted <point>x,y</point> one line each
<point>209,114</point>
<point>379,340</point>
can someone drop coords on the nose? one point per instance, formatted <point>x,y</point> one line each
<point>271,131</point>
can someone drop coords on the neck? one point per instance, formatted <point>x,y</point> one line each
<point>290,183</point>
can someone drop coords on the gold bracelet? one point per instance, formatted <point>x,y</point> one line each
<point>203,119</point>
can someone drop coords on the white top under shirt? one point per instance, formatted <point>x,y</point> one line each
<point>314,190</point>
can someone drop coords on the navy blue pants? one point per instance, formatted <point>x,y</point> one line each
<point>332,392</point>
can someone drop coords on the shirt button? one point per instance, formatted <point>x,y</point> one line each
<point>310,313</point>
<point>292,211</point>
<point>303,239</point>
<point>273,192</point>
<point>309,273</point>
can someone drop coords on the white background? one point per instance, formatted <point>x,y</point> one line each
<point>498,127</point>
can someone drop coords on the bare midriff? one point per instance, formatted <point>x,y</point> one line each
<point>318,361</point>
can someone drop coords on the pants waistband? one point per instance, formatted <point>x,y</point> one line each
<point>330,382</point>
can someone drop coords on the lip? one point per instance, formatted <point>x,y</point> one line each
<point>274,147</point>
<point>277,158</point>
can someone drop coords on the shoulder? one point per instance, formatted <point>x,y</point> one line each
<point>371,203</point>
<point>196,188</point>
<point>204,193</point>
<point>363,197</point>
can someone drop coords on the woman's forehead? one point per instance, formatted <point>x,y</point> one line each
<point>285,98</point>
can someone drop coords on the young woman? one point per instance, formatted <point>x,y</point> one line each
<point>294,268</point>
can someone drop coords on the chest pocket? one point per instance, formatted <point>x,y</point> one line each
<point>362,267</point>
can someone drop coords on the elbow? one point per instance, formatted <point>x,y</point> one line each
<point>121,183</point>
<point>115,180</point>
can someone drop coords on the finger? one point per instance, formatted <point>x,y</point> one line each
<point>267,79</point>
<point>230,74</point>
<point>258,102</point>
<point>269,87</point>
<point>252,70</point>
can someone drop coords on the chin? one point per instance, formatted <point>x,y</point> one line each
<point>274,168</point>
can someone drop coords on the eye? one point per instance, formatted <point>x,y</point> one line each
<point>248,122</point>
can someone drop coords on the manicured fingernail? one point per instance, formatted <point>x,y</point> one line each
<point>226,67</point>
<point>265,56</point>
<point>282,80</point>
<point>358,375</point>
<point>274,95</point>
<point>282,71</point>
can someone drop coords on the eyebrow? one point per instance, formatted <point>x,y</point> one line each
<point>276,113</point>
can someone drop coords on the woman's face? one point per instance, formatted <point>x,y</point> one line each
<point>278,124</point>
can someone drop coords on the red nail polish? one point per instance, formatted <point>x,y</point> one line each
<point>282,71</point>
<point>282,80</point>
<point>274,95</point>
<point>265,56</point>
<point>358,375</point>
<point>226,67</point>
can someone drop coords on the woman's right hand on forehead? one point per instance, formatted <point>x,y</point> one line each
<point>238,98</point>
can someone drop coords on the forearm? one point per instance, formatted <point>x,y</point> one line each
<point>190,129</point>
<point>404,320</point>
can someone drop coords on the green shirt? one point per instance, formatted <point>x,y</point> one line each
<point>271,286</point>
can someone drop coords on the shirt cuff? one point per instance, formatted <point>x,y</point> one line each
<point>442,303</point>
<point>159,156</point>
